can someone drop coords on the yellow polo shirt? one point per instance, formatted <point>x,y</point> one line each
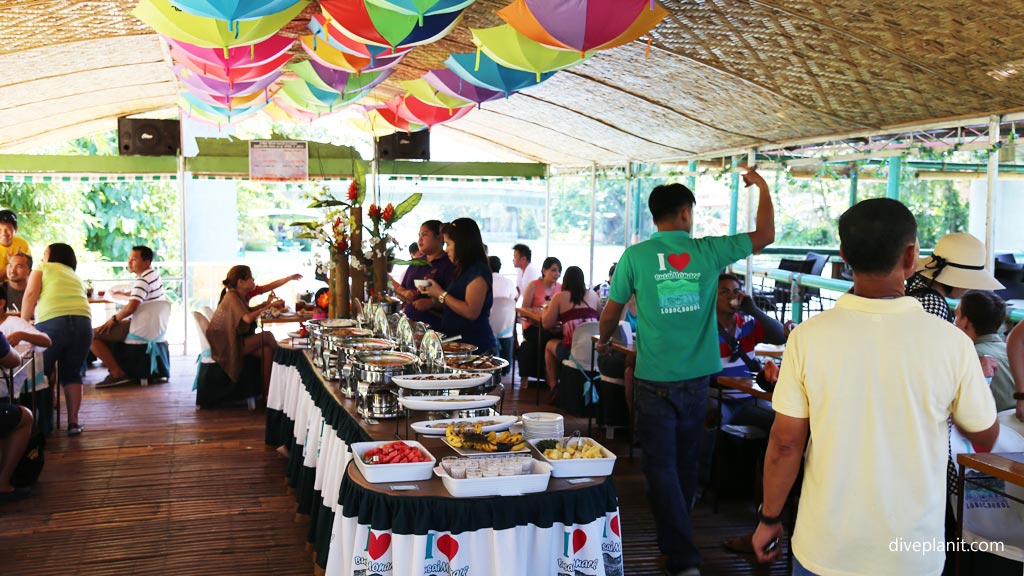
<point>877,379</point>
<point>18,246</point>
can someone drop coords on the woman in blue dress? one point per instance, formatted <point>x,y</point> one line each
<point>467,300</point>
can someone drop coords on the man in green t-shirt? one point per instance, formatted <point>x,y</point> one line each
<point>675,278</point>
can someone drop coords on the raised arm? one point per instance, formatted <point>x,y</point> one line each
<point>774,333</point>
<point>280,282</point>
<point>1015,352</point>
<point>764,230</point>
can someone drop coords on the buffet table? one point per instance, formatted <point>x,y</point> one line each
<point>357,527</point>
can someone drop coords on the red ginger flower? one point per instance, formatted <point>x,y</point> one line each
<point>373,211</point>
<point>353,191</point>
<point>389,213</point>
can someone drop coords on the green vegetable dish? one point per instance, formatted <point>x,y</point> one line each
<point>546,444</point>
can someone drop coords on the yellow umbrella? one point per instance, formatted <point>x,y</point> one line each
<point>506,46</point>
<point>421,89</point>
<point>209,32</point>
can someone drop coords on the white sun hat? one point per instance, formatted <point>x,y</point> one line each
<point>959,261</point>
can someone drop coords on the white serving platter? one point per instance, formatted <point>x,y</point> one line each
<point>577,466</point>
<point>463,451</point>
<point>497,485</point>
<point>412,382</point>
<point>427,428</point>
<point>446,403</point>
<point>378,473</point>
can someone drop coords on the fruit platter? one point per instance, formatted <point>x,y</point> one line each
<point>496,423</point>
<point>393,461</point>
<point>570,457</point>
<point>473,441</point>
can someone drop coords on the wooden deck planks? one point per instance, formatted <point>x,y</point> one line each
<point>156,487</point>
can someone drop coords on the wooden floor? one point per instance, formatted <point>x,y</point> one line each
<point>156,487</point>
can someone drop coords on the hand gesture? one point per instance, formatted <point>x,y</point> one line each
<point>765,535</point>
<point>432,289</point>
<point>751,177</point>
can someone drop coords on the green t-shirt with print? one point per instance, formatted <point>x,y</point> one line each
<point>675,279</point>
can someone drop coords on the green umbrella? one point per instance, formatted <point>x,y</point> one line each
<point>209,32</point>
<point>421,89</point>
<point>511,49</point>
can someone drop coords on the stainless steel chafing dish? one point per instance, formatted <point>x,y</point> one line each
<point>316,330</point>
<point>492,365</point>
<point>372,372</point>
<point>347,350</point>
<point>332,343</point>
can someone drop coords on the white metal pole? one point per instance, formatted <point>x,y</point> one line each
<point>749,284</point>
<point>629,204</point>
<point>547,212</point>
<point>593,217</point>
<point>990,199</point>
<point>184,245</point>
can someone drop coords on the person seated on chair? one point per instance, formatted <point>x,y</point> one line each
<point>537,295</point>
<point>18,330</point>
<point>980,314</point>
<point>232,331</point>
<point>571,306</point>
<point>15,432</point>
<point>957,264</point>
<point>10,242</point>
<point>19,266</point>
<point>148,287</point>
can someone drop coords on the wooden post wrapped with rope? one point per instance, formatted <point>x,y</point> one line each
<point>356,243</point>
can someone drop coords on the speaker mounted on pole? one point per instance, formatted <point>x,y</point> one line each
<point>148,137</point>
<point>404,146</point>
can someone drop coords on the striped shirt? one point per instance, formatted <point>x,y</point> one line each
<point>148,287</point>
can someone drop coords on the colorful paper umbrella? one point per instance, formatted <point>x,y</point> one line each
<point>232,10</point>
<point>449,83</point>
<point>313,98</point>
<point>234,102</point>
<point>509,48</point>
<point>236,73</point>
<point>193,105</point>
<point>279,109</point>
<point>399,123</point>
<point>421,8</point>
<point>208,32</point>
<point>479,69</point>
<point>371,24</point>
<point>258,53</point>
<point>583,25</point>
<point>338,80</point>
<point>415,110</point>
<point>199,83</point>
<point>331,57</point>
<point>324,31</point>
<point>422,90</point>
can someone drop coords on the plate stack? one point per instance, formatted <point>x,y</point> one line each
<point>543,425</point>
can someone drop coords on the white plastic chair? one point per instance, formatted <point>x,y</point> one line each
<point>149,327</point>
<point>206,357</point>
<point>207,311</point>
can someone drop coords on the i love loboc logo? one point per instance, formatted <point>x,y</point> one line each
<point>379,545</point>
<point>679,261</point>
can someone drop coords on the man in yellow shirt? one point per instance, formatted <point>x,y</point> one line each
<point>10,244</point>
<point>871,383</point>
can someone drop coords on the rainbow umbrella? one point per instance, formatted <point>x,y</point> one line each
<point>324,31</point>
<point>423,91</point>
<point>312,94</point>
<point>279,109</point>
<point>208,32</point>
<point>371,24</point>
<point>234,102</point>
<point>341,81</point>
<point>258,53</point>
<point>194,106</point>
<point>234,10</point>
<point>233,74</point>
<point>417,111</point>
<point>421,8</point>
<point>583,25</point>
<point>331,57</point>
<point>198,83</point>
<point>509,48</point>
<point>480,70</point>
<point>449,83</point>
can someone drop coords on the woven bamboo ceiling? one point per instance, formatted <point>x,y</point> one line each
<point>720,75</point>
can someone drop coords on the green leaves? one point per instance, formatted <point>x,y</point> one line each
<point>406,206</point>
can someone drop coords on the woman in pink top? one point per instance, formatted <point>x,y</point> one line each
<point>538,294</point>
<point>540,291</point>
<point>570,307</point>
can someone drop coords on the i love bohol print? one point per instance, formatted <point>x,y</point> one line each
<point>678,290</point>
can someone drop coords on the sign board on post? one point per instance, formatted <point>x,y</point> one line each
<point>278,160</point>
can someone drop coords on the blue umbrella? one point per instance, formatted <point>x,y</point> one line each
<point>478,68</point>
<point>234,10</point>
<point>191,103</point>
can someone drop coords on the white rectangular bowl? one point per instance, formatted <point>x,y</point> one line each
<point>577,466</point>
<point>498,485</point>
<point>379,473</point>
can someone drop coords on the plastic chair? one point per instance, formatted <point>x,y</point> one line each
<point>782,294</point>
<point>814,294</point>
<point>613,411</point>
<point>148,328</point>
<point>207,311</point>
<point>577,385</point>
<point>209,373</point>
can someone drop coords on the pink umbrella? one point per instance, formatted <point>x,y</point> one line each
<point>197,83</point>
<point>415,110</point>
<point>450,84</point>
<point>258,53</point>
<point>233,74</point>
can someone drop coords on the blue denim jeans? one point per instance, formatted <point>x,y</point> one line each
<point>504,348</point>
<point>669,426</point>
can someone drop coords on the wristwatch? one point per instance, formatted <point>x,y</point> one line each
<point>114,319</point>
<point>768,520</point>
<point>1018,395</point>
<point>442,297</point>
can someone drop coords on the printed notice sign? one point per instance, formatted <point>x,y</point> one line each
<point>278,160</point>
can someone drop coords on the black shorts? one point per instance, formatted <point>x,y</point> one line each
<point>10,417</point>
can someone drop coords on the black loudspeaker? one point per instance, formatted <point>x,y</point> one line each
<point>147,137</point>
<point>404,146</point>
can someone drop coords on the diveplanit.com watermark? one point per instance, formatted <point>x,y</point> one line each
<point>935,545</point>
